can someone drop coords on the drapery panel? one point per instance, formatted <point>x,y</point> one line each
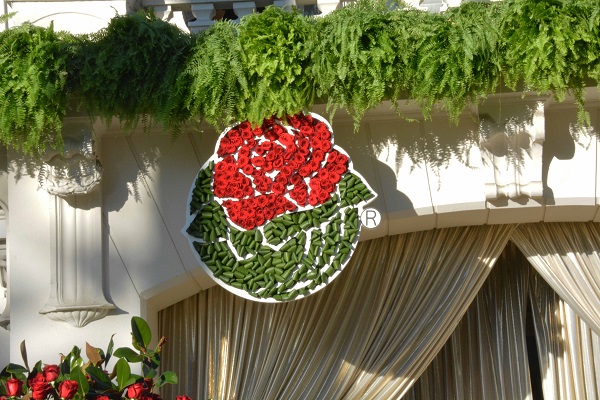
<point>569,351</point>
<point>369,334</point>
<point>486,356</point>
<point>566,255</point>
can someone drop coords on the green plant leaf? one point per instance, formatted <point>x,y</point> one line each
<point>109,351</point>
<point>24,354</point>
<point>102,380</point>
<point>141,332</point>
<point>16,369</point>
<point>128,354</point>
<point>167,377</point>
<point>79,376</point>
<point>123,373</point>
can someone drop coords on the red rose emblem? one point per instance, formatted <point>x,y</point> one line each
<point>67,389</point>
<point>282,155</point>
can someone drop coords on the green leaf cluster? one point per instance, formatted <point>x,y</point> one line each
<point>280,62</point>
<point>93,379</point>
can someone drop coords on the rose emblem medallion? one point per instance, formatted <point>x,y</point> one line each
<point>273,215</point>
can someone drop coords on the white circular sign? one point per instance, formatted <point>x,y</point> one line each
<point>370,218</point>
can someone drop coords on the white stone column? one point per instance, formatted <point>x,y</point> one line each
<point>72,180</point>
<point>4,298</point>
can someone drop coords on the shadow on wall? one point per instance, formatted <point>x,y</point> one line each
<point>563,136</point>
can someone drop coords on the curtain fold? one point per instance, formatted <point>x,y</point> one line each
<point>491,336</point>
<point>569,351</point>
<point>368,335</point>
<point>566,256</point>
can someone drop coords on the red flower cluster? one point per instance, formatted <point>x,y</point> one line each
<point>268,170</point>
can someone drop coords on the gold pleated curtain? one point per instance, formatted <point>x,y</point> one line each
<point>368,335</point>
<point>486,356</point>
<point>568,349</point>
<point>567,256</point>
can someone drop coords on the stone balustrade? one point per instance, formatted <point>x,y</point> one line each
<point>197,15</point>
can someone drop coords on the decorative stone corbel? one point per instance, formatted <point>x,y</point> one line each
<point>286,4</point>
<point>76,171</point>
<point>513,150</point>
<point>73,181</point>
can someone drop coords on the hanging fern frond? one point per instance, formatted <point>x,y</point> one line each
<point>458,58</point>
<point>129,69</point>
<point>363,55</point>
<point>276,49</point>
<point>33,89</point>
<point>213,84</point>
<point>551,45</point>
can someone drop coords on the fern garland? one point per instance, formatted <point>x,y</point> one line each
<point>277,45</point>
<point>458,59</point>
<point>279,62</point>
<point>213,84</point>
<point>128,69</point>
<point>551,45</point>
<point>33,95</point>
<point>364,55</point>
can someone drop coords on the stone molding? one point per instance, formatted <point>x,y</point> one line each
<point>512,150</point>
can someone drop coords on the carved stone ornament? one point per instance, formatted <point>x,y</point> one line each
<point>72,179</point>
<point>512,150</point>
<point>76,287</point>
<point>76,171</point>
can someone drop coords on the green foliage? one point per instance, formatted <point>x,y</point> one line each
<point>279,62</point>
<point>276,50</point>
<point>363,55</point>
<point>213,82</point>
<point>551,45</point>
<point>457,57</point>
<point>128,70</point>
<point>92,378</point>
<point>33,95</point>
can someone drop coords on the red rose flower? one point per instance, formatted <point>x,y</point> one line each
<point>14,387</point>
<point>182,398</point>
<point>39,387</point>
<point>67,389</point>
<point>51,372</point>
<point>102,397</point>
<point>136,390</point>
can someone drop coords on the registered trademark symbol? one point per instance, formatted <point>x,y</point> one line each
<point>370,218</point>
